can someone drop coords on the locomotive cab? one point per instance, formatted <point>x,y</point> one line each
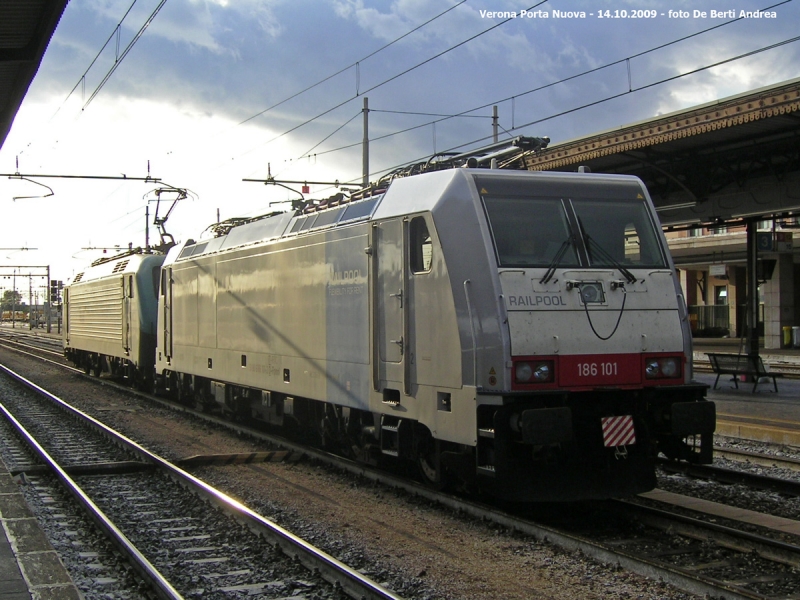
<point>598,377</point>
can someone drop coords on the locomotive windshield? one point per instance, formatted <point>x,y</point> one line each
<point>530,232</point>
<point>579,229</point>
<point>618,232</point>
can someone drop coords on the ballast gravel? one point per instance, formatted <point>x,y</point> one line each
<point>418,549</point>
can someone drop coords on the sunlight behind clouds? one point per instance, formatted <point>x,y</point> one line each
<point>220,90</point>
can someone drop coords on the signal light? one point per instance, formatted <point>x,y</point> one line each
<point>55,288</point>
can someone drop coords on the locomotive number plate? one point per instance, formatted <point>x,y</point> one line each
<point>604,369</point>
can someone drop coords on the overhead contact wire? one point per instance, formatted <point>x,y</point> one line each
<point>606,99</point>
<point>355,64</point>
<point>125,52</point>
<point>398,75</point>
<point>82,79</point>
<point>564,80</point>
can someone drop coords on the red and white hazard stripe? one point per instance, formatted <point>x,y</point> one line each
<point>618,431</point>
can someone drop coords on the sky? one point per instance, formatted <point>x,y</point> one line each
<point>213,92</point>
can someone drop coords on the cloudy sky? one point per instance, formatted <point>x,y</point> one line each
<point>216,91</point>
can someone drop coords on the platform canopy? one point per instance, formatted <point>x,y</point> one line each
<point>26,27</point>
<point>720,162</point>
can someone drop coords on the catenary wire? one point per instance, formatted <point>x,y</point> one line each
<point>355,64</point>
<point>398,75</point>
<point>540,88</point>
<point>327,137</point>
<point>125,52</point>
<point>589,104</point>
<point>82,78</point>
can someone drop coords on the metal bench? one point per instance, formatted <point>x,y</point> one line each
<point>741,364</point>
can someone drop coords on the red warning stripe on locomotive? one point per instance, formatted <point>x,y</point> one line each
<point>618,431</point>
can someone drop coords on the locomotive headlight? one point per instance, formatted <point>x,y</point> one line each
<point>651,369</point>
<point>523,372</point>
<point>535,371</point>
<point>662,368</point>
<point>669,367</point>
<point>542,372</point>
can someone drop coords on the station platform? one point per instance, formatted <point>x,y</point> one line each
<point>763,415</point>
<point>733,345</point>
<point>29,567</point>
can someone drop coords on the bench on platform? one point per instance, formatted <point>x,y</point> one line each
<point>741,364</point>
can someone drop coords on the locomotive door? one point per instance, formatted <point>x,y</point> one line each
<point>127,294</point>
<point>391,302</point>
<point>166,291</point>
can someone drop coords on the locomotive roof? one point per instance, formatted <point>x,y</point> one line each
<point>282,225</point>
<point>404,196</point>
<point>129,262</point>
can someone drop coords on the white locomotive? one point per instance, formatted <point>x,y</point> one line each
<point>521,332</point>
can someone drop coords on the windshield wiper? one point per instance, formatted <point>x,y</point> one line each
<point>551,268</point>
<point>603,254</point>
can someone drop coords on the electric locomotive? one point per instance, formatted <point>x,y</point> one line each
<point>523,333</point>
<point>110,316</point>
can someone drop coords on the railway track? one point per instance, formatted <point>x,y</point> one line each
<point>45,345</point>
<point>729,476</point>
<point>758,458</point>
<point>159,516</point>
<point>672,556</point>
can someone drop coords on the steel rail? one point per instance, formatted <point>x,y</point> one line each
<point>332,570</point>
<point>30,346</point>
<point>143,567</point>
<point>770,548</point>
<point>693,583</point>
<point>42,358</point>
<point>758,458</point>
<point>720,474</point>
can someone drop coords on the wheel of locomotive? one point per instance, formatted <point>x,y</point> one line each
<point>361,444</point>
<point>428,458</point>
<point>97,368</point>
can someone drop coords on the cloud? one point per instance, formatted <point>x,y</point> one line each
<point>204,66</point>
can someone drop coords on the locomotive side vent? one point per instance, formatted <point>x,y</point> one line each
<point>120,266</point>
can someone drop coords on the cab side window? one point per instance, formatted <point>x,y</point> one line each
<point>421,246</point>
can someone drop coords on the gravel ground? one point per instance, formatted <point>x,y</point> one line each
<point>418,549</point>
<point>741,496</point>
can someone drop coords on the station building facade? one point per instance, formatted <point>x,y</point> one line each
<point>713,273</point>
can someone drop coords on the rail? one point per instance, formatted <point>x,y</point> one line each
<point>351,582</point>
<point>609,554</point>
<point>143,567</point>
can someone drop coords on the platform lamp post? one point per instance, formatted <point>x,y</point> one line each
<point>14,300</point>
<point>752,287</point>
